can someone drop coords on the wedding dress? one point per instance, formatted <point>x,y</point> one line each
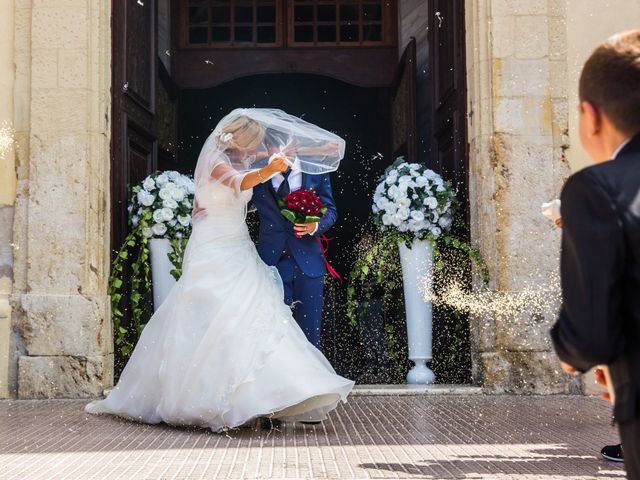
<point>224,348</point>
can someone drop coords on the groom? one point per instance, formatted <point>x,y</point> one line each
<point>295,250</point>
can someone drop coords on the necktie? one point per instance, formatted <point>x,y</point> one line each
<point>284,189</point>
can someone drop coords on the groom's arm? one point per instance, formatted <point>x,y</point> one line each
<point>589,328</point>
<point>326,195</point>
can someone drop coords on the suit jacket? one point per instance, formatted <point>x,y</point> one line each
<point>599,323</point>
<point>276,232</point>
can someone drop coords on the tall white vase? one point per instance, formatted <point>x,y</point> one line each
<point>161,268</point>
<point>417,266</point>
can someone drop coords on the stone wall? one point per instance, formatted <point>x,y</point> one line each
<point>60,310</point>
<point>518,134</point>
<point>7,188</point>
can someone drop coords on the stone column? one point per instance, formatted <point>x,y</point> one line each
<point>516,60</point>
<point>61,226</point>
<point>7,188</point>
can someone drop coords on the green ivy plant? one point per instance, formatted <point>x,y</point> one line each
<point>160,207</point>
<point>377,268</point>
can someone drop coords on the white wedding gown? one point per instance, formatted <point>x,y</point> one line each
<point>224,348</point>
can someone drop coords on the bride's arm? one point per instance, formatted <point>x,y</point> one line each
<point>229,176</point>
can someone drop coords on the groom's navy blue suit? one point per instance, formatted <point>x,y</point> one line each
<point>299,260</point>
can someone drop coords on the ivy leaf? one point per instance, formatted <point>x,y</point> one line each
<point>289,215</point>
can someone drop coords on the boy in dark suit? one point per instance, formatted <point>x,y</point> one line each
<point>599,323</point>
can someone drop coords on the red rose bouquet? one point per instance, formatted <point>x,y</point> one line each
<point>302,206</point>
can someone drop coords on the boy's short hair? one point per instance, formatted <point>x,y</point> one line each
<point>611,80</point>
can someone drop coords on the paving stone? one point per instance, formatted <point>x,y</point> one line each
<point>426,437</point>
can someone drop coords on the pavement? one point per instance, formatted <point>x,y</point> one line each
<point>373,436</point>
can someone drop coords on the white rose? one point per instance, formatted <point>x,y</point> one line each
<point>415,226</point>
<point>403,213</point>
<point>184,220</point>
<point>415,166</point>
<point>380,188</point>
<point>191,187</point>
<point>402,165</point>
<point>394,192</point>
<point>390,208</point>
<point>445,222</point>
<point>417,215</point>
<point>178,194</point>
<point>431,202</point>
<point>170,203</point>
<point>178,235</point>
<point>386,219</point>
<point>422,181</point>
<point>159,229</point>
<point>145,198</point>
<point>375,208</point>
<point>430,174</point>
<point>403,227</point>
<point>167,214</point>
<point>172,223</point>
<point>157,216</point>
<point>390,180</point>
<point>438,181</point>
<point>147,232</point>
<point>381,202</point>
<point>404,179</point>
<point>403,202</point>
<point>148,184</point>
<point>440,188</point>
<point>165,193</point>
<point>435,231</point>
<point>134,220</point>
<point>161,179</point>
<point>173,175</point>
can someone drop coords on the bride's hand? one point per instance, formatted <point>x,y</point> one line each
<point>278,165</point>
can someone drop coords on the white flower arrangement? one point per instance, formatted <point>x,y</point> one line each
<point>164,200</point>
<point>413,200</point>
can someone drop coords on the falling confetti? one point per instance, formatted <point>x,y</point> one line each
<point>7,138</point>
<point>440,18</point>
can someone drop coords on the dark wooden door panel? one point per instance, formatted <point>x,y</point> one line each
<point>404,107</point>
<point>133,142</point>
<point>448,92</point>
<point>139,72</point>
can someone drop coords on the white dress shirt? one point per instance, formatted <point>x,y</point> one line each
<point>295,180</point>
<point>619,149</point>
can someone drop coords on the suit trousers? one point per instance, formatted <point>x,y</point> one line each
<point>305,294</point>
<point>630,436</point>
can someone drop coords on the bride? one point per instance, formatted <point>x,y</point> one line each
<point>224,348</point>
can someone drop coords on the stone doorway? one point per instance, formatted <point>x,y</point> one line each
<point>172,82</point>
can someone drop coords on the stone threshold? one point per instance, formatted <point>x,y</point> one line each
<point>380,390</point>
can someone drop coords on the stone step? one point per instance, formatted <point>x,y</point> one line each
<point>379,390</point>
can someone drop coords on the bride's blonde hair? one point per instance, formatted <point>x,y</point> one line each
<point>242,133</point>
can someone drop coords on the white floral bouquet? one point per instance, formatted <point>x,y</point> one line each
<point>413,200</point>
<point>164,201</point>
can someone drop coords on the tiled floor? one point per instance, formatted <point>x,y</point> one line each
<point>475,436</point>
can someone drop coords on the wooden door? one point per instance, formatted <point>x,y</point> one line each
<point>133,140</point>
<point>404,107</point>
<point>448,92</point>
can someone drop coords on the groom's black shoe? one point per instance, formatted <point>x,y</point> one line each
<point>613,453</point>
<point>267,423</point>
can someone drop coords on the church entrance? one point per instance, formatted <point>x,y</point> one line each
<point>181,65</point>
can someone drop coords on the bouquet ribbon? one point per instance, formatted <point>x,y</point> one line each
<point>323,241</point>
